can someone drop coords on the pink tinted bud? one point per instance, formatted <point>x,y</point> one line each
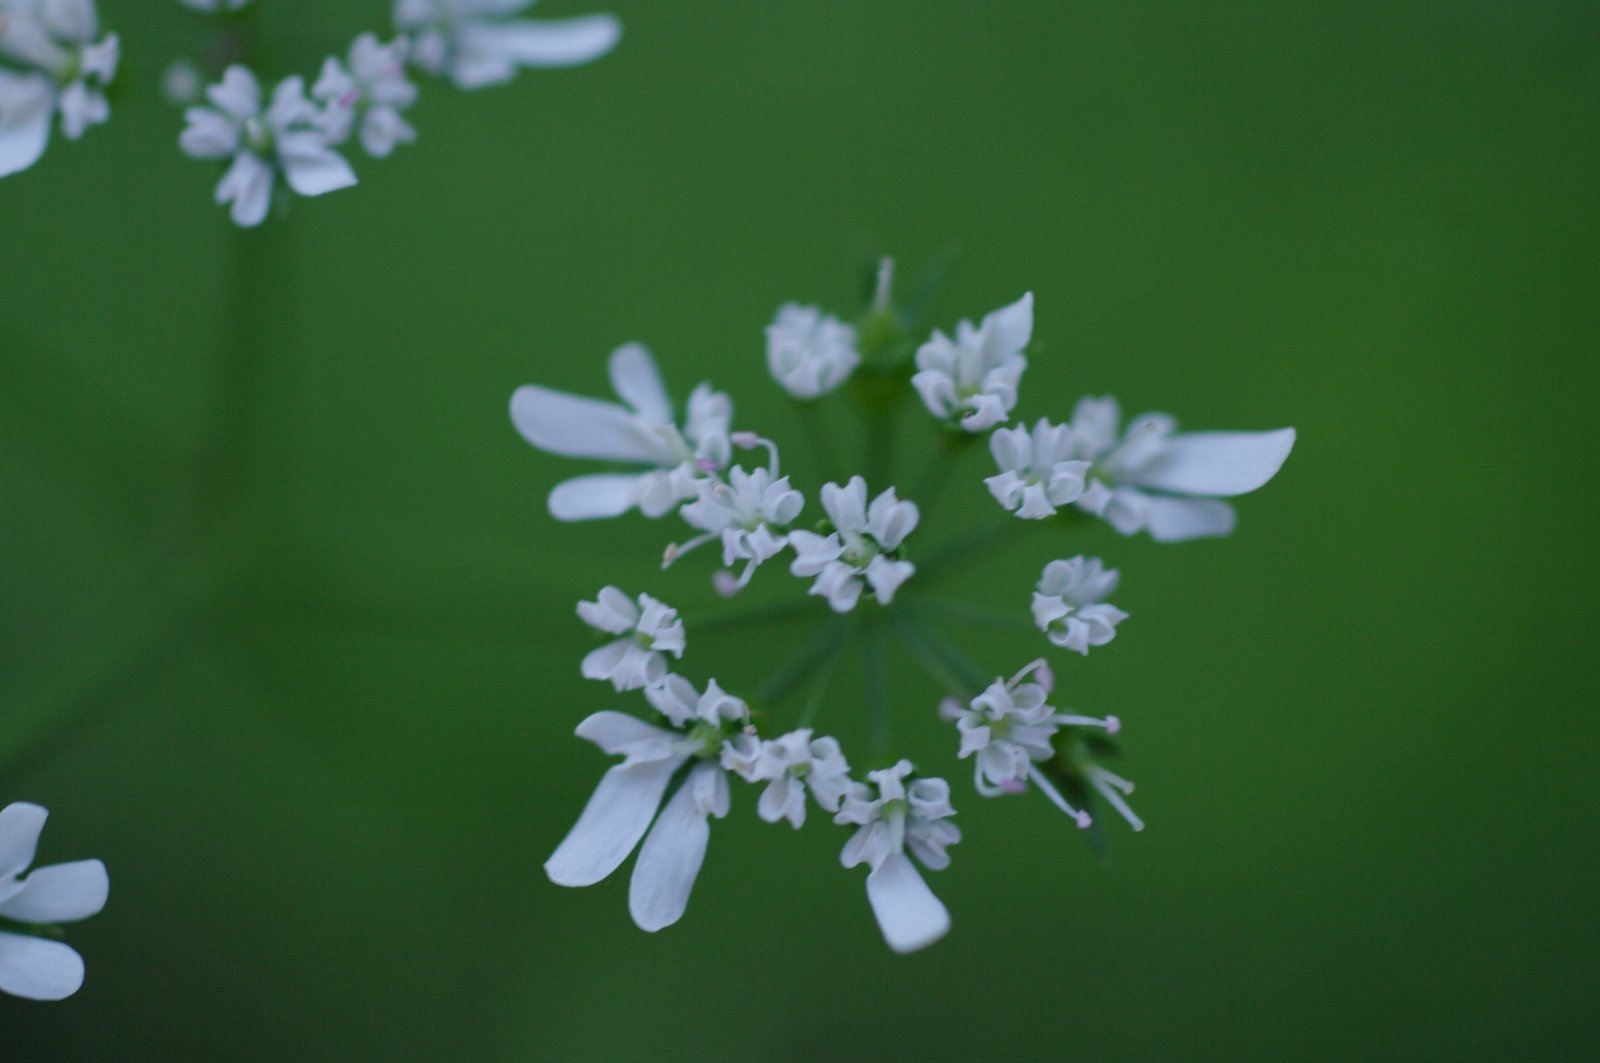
<point>725,583</point>
<point>1045,677</point>
<point>1084,820</point>
<point>705,465</point>
<point>1113,725</point>
<point>745,440</point>
<point>1014,786</point>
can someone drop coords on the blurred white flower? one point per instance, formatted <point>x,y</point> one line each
<point>1170,484</point>
<point>215,5</point>
<point>182,83</point>
<point>789,764</point>
<point>1070,605</point>
<point>808,352</point>
<point>638,430</point>
<point>477,43</point>
<point>862,545</point>
<point>1037,470</point>
<point>281,139</point>
<point>61,69</point>
<point>31,966</point>
<point>370,91</point>
<point>649,630</point>
<point>975,376</point>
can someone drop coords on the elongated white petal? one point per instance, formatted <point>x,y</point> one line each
<point>38,969</point>
<point>1216,463</point>
<point>594,497</point>
<point>560,42</point>
<point>576,427</point>
<point>311,168</point>
<point>61,893</point>
<point>26,107</point>
<point>908,913</point>
<point>638,383</point>
<point>670,859</point>
<point>615,732</point>
<point>20,824</point>
<point>247,184</point>
<point>1011,326</point>
<point>611,824</point>
<point>1175,520</point>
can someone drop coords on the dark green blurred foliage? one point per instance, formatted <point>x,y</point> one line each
<point>291,646</point>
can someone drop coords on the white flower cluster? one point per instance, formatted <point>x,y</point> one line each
<point>1148,477</point>
<point>286,140</point>
<point>33,905</point>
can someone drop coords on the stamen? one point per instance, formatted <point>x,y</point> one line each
<point>1046,678</point>
<point>677,550</point>
<point>749,441</point>
<point>1079,816</point>
<point>1107,784</point>
<point>725,583</point>
<point>880,294</point>
<point>951,709</point>
<point>1110,723</point>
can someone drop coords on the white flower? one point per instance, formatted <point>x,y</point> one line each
<point>808,352</point>
<point>182,83</point>
<point>1070,604</point>
<point>477,44</point>
<point>215,5</point>
<point>1169,484</point>
<point>892,818</point>
<point>789,764</point>
<point>281,139</point>
<point>649,630</point>
<point>863,545</point>
<point>750,513</point>
<point>63,70</point>
<point>372,91</point>
<point>31,966</point>
<point>622,806</point>
<point>638,430</point>
<point>1037,469</point>
<point>975,375</point>
<point>677,699</point>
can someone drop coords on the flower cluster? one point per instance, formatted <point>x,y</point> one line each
<point>33,963</point>
<point>1148,477</point>
<point>281,139</point>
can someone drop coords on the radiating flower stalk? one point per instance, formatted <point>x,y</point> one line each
<point>862,556</point>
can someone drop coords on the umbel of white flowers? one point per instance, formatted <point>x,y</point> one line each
<point>679,765</point>
<point>33,904</point>
<point>53,62</point>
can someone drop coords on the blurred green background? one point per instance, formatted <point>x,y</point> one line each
<point>286,636</point>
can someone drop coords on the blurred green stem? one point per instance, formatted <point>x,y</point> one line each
<point>876,687</point>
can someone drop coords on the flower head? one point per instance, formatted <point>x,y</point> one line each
<point>649,630</point>
<point>863,545</point>
<point>1037,470</point>
<point>281,139</point>
<point>476,43</point>
<point>974,377</point>
<point>1153,478</point>
<point>789,765</point>
<point>63,66</point>
<point>370,91</point>
<point>808,352</point>
<point>1069,604</point>
<point>639,430</point>
<point>32,966</point>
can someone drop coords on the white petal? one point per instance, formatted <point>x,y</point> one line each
<point>20,824</point>
<point>26,106</point>
<point>209,134</point>
<point>564,42</point>
<point>1173,520</point>
<point>638,383</point>
<point>1011,327</point>
<point>576,427</point>
<point>670,859</point>
<point>61,893</point>
<point>616,817</point>
<point>617,732</point>
<point>311,168</point>
<point>38,969</point>
<point>237,94</point>
<point>908,913</point>
<point>594,497</point>
<point>1216,463</point>
<point>247,184</point>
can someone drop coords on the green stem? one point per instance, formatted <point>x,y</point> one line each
<point>819,689</point>
<point>931,662</point>
<point>876,688</point>
<point>975,614</point>
<point>941,468</point>
<point>824,457</point>
<point>958,548</point>
<point>970,676</point>
<point>774,614</point>
<point>786,678</point>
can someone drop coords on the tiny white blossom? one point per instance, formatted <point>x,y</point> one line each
<point>975,376</point>
<point>281,139</point>
<point>649,630</point>
<point>789,765</point>
<point>1154,479</point>
<point>476,42</point>
<point>808,352</point>
<point>677,699</point>
<point>638,430</point>
<point>621,809</point>
<point>31,966</point>
<point>892,818</point>
<point>370,91</point>
<point>63,68</point>
<point>1070,604</point>
<point>750,512</point>
<point>862,546</point>
<point>1037,470</point>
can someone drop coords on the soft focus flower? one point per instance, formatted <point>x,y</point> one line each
<point>61,69</point>
<point>789,764</point>
<point>892,818</point>
<point>1070,605</point>
<point>215,5</point>
<point>639,430</point>
<point>1155,479</point>
<point>182,83</point>
<point>281,139</point>
<point>808,352</point>
<point>476,42</point>
<point>622,806</point>
<point>863,545</point>
<point>32,966</point>
<point>369,92</point>
<point>975,376</point>
<point>648,630</point>
<point>1037,470</point>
